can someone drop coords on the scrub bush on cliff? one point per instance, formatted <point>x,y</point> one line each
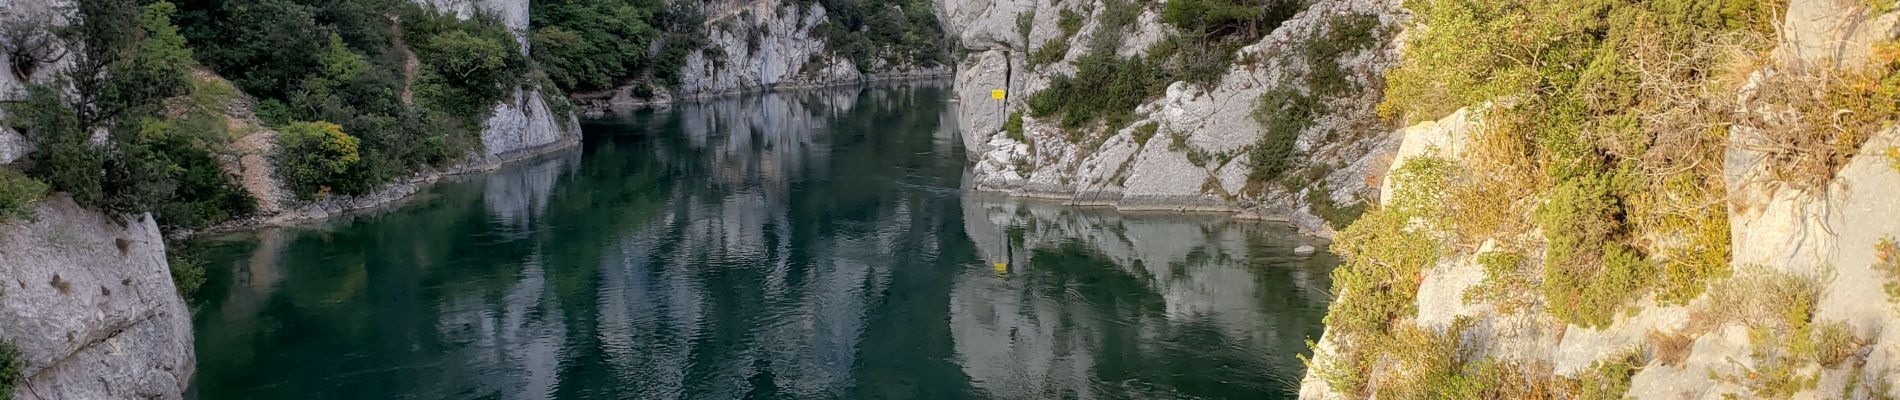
<point>316,158</point>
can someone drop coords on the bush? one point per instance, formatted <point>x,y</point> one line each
<point>1283,113</point>
<point>1144,132</point>
<point>166,166</point>
<point>11,370</point>
<point>1103,89</point>
<point>1014,126</point>
<point>315,158</point>
<point>187,267</point>
<point>18,194</point>
<point>65,159</point>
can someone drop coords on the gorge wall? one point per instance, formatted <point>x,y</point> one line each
<point>88,302</point>
<point>1737,252</point>
<point>760,45</point>
<point>1192,146</point>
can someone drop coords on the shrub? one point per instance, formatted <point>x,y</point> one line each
<point>313,158</point>
<point>1887,261</point>
<point>65,159</point>
<point>1787,340</point>
<point>11,370</point>
<point>1336,216</point>
<point>1609,378</point>
<point>1143,132</point>
<point>187,267</point>
<point>1283,112</point>
<point>1103,89</point>
<point>1014,126</point>
<point>166,166</point>
<point>18,194</point>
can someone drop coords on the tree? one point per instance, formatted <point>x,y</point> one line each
<point>315,157</point>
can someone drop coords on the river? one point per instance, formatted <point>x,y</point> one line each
<point>802,245</point>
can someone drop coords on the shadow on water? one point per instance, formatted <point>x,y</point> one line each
<point>808,244</point>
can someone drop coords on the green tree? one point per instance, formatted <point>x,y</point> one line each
<point>315,157</point>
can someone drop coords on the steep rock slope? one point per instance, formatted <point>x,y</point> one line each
<point>90,304</point>
<point>87,300</point>
<point>16,14</point>
<point>1803,305</point>
<point>759,45</point>
<point>1189,148</point>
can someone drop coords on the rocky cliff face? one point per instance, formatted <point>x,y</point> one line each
<point>1808,312</point>
<point>89,302</point>
<point>43,47</point>
<point>759,45</point>
<point>1196,155</point>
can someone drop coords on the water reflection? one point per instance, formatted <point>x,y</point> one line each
<point>809,244</point>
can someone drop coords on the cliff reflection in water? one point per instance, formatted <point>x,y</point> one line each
<point>811,244</point>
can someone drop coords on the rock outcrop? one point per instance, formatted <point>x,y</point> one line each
<point>1197,155</point>
<point>761,45</point>
<point>89,302</point>
<point>1831,237</point>
<point>49,56</point>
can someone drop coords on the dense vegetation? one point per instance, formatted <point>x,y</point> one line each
<point>876,34</point>
<point>342,62</point>
<point>590,46</point>
<point>10,370</point>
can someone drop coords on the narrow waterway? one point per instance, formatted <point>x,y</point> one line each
<point>803,245</point>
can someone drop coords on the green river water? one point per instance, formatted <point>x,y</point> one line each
<point>801,245</point>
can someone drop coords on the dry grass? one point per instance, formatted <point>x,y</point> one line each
<point>1787,341</point>
<point>1809,121</point>
<point>1670,348</point>
<point>1497,202</point>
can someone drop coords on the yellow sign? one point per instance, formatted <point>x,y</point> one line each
<point>1002,267</point>
<point>997,94</point>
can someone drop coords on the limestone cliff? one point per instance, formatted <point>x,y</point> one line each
<point>760,45</point>
<point>1188,149</point>
<point>89,302</point>
<point>16,18</point>
<point>1804,306</point>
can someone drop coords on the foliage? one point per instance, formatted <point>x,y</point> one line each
<point>1336,216</point>
<point>1609,378</point>
<point>1057,47</point>
<point>1506,285</point>
<point>596,45</point>
<point>1104,88</point>
<point>1287,109</point>
<point>343,61</point>
<point>1588,272</point>
<point>65,159</point>
<point>1887,261</point>
<point>1786,337</point>
<point>1385,252</point>
<point>315,158</point>
<point>187,267</point>
<point>874,33</point>
<point>18,195</point>
<point>1145,131</point>
<point>168,166</point>
<point>1014,126</point>
<point>12,368</point>
<point>1283,112</point>
<point>1211,31</point>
